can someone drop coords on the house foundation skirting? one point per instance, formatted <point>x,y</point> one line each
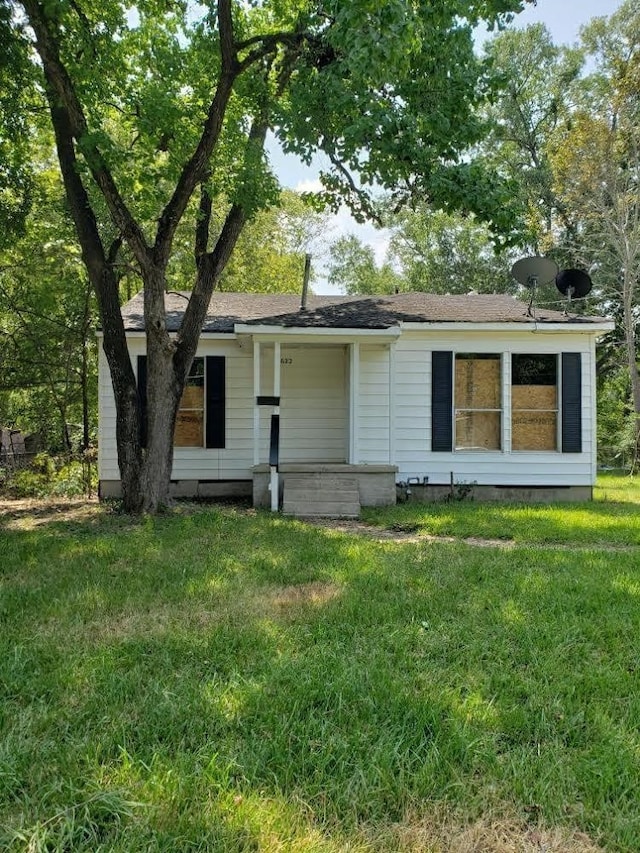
<point>376,483</point>
<point>376,486</point>
<point>205,489</point>
<point>508,494</point>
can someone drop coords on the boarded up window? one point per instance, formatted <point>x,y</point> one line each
<point>189,431</point>
<point>534,402</point>
<point>478,402</point>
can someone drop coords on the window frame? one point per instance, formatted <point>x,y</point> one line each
<point>457,410</point>
<point>571,372</point>
<point>215,414</point>
<point>200,381</point>
<point>557,411</point>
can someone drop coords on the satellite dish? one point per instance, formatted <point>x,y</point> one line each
<point>574,284</point>
<point>534,271</point>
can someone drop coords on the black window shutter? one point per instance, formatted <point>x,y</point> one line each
<point>571,402</point>
<point>215,403</point>
<point>142,398</point>
<point>441,401</point>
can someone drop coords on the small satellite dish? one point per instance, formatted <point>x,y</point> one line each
<point>574,284</point>
<point>534,271</point>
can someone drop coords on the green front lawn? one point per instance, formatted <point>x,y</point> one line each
<point>223,680</point>
<point>612,519</point>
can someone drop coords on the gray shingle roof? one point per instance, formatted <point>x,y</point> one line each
<point>348,312</point>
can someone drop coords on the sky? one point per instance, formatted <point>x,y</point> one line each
<point>563,18</point>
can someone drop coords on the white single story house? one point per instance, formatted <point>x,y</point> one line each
<point>344,401</point>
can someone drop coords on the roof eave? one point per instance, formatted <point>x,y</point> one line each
<point>540,326</point>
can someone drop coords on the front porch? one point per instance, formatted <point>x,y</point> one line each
<point>322,437</point>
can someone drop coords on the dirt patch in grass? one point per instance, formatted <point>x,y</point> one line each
<point>402,533</point>
<point>408,535</point>
<point>484,836</point>
<point>314,593</point>
<point>29,513</point>
<point>277,603</point>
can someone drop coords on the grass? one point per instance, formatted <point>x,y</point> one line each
<point>611,520</point>
<point>223,680</point>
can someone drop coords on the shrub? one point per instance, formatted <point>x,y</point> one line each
<point>50,476</point>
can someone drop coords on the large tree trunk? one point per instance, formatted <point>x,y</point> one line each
<point>164,388</point>
<point>163,396</point>
<point>84,368</point>
<point>125,392</point>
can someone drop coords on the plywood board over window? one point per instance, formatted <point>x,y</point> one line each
<point>189,429</point>
<point>477,382</point>
<point>534,402</point>
<point>478,430</point>
<point>478,393</point>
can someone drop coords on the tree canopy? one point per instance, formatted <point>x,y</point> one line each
<point>160,112</point>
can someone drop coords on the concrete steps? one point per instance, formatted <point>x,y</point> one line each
<point>308,495</point>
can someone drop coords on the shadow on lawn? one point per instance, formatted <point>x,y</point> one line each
<point>247,677</point>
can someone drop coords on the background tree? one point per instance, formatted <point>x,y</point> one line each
<point>16,103</point>
<point>152,107</point>
<point>447,253</point>
<point>353,267</point>
<point>48,364</point>
<point>536,98</point>
<point>270,254</point>
<point>429,250</point>
<point>571,138</point>
<point>596,164</point>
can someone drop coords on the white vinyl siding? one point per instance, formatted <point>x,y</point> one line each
<point>373,405</point>
<point>235,460</point>
<point>412,414</point>
<point>107,451</point>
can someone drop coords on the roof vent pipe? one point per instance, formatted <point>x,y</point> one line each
<point>305,281</point>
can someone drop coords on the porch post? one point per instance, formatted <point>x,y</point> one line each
<point>274,479</point>
<point>354,407</point>
<point>256,407</point>
<point>392,403</point>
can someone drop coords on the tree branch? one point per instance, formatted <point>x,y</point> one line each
<point>62,97</point>
<point>212,264</point>
<point>203,224</point>
<point>271,40</point>
<point>354,188</point>
<point>227,46</point>
<point>193,172</point>
<point>268,45</point>
<point>195,169</point>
